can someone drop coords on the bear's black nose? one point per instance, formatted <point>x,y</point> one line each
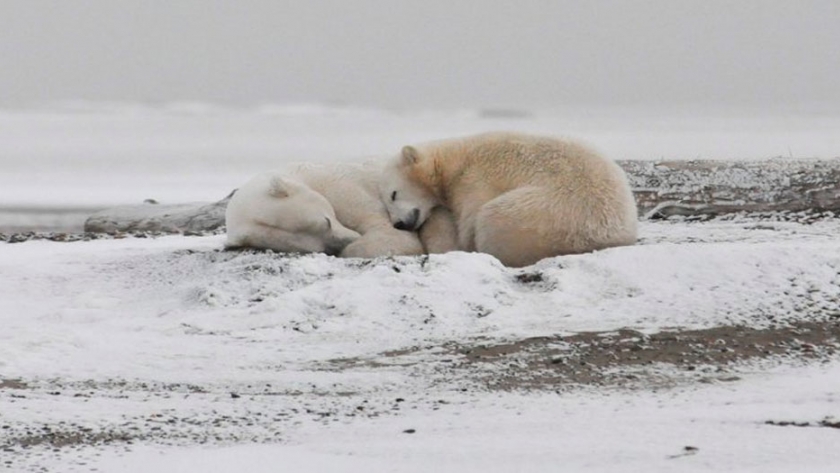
<point>409,223</point>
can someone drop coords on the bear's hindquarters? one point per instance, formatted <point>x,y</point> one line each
<point>525,225</point>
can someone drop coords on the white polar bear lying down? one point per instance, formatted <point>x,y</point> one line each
<point>333,209</point>
<point>518,197</point>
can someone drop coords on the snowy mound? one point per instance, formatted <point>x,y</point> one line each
<point>134,305</point>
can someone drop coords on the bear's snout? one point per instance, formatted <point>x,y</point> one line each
<point>408,223</point>
<point>335,246</point>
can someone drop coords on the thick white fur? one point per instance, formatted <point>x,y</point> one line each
<point>289,221</point>
<point>518,197</point>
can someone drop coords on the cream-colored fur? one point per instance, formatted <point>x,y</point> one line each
<point>518,197</point>
<point>294,219</point>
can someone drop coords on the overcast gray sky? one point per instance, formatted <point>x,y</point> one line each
<point>424,54</point>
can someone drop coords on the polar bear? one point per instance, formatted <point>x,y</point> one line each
<point>518,197</point>
<point>333,209</point>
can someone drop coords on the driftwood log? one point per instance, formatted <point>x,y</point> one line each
<point>198,218</point>
<point>689,188</point>
<point>662,189</point>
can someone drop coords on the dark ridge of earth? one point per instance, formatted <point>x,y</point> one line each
<point>627,358</point>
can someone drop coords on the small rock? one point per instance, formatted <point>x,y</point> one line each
<point>18,238</point>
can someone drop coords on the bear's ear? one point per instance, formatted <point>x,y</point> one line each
<point>279,187</point>
<point>410,155</point>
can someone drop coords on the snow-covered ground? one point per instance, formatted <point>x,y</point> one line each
<point>170,354</point>
<point>716,428</point>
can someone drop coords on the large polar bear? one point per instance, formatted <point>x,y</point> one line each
<point>333,209</point>
<point>518,197</point>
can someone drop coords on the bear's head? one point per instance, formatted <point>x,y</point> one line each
<point>282,214</point>
<point>409,201</point>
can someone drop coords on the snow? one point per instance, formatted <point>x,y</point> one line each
<point>259,361</point>
<point>153,296</point>
<point>546,433</point>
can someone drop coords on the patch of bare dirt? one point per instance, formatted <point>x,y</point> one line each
<point>616,358</point>
<point>624,358</point>
<point>12,384</point>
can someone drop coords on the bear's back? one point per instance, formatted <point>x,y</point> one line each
<point>507,160</point>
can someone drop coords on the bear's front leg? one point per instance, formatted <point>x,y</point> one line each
<point>439,234</point>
